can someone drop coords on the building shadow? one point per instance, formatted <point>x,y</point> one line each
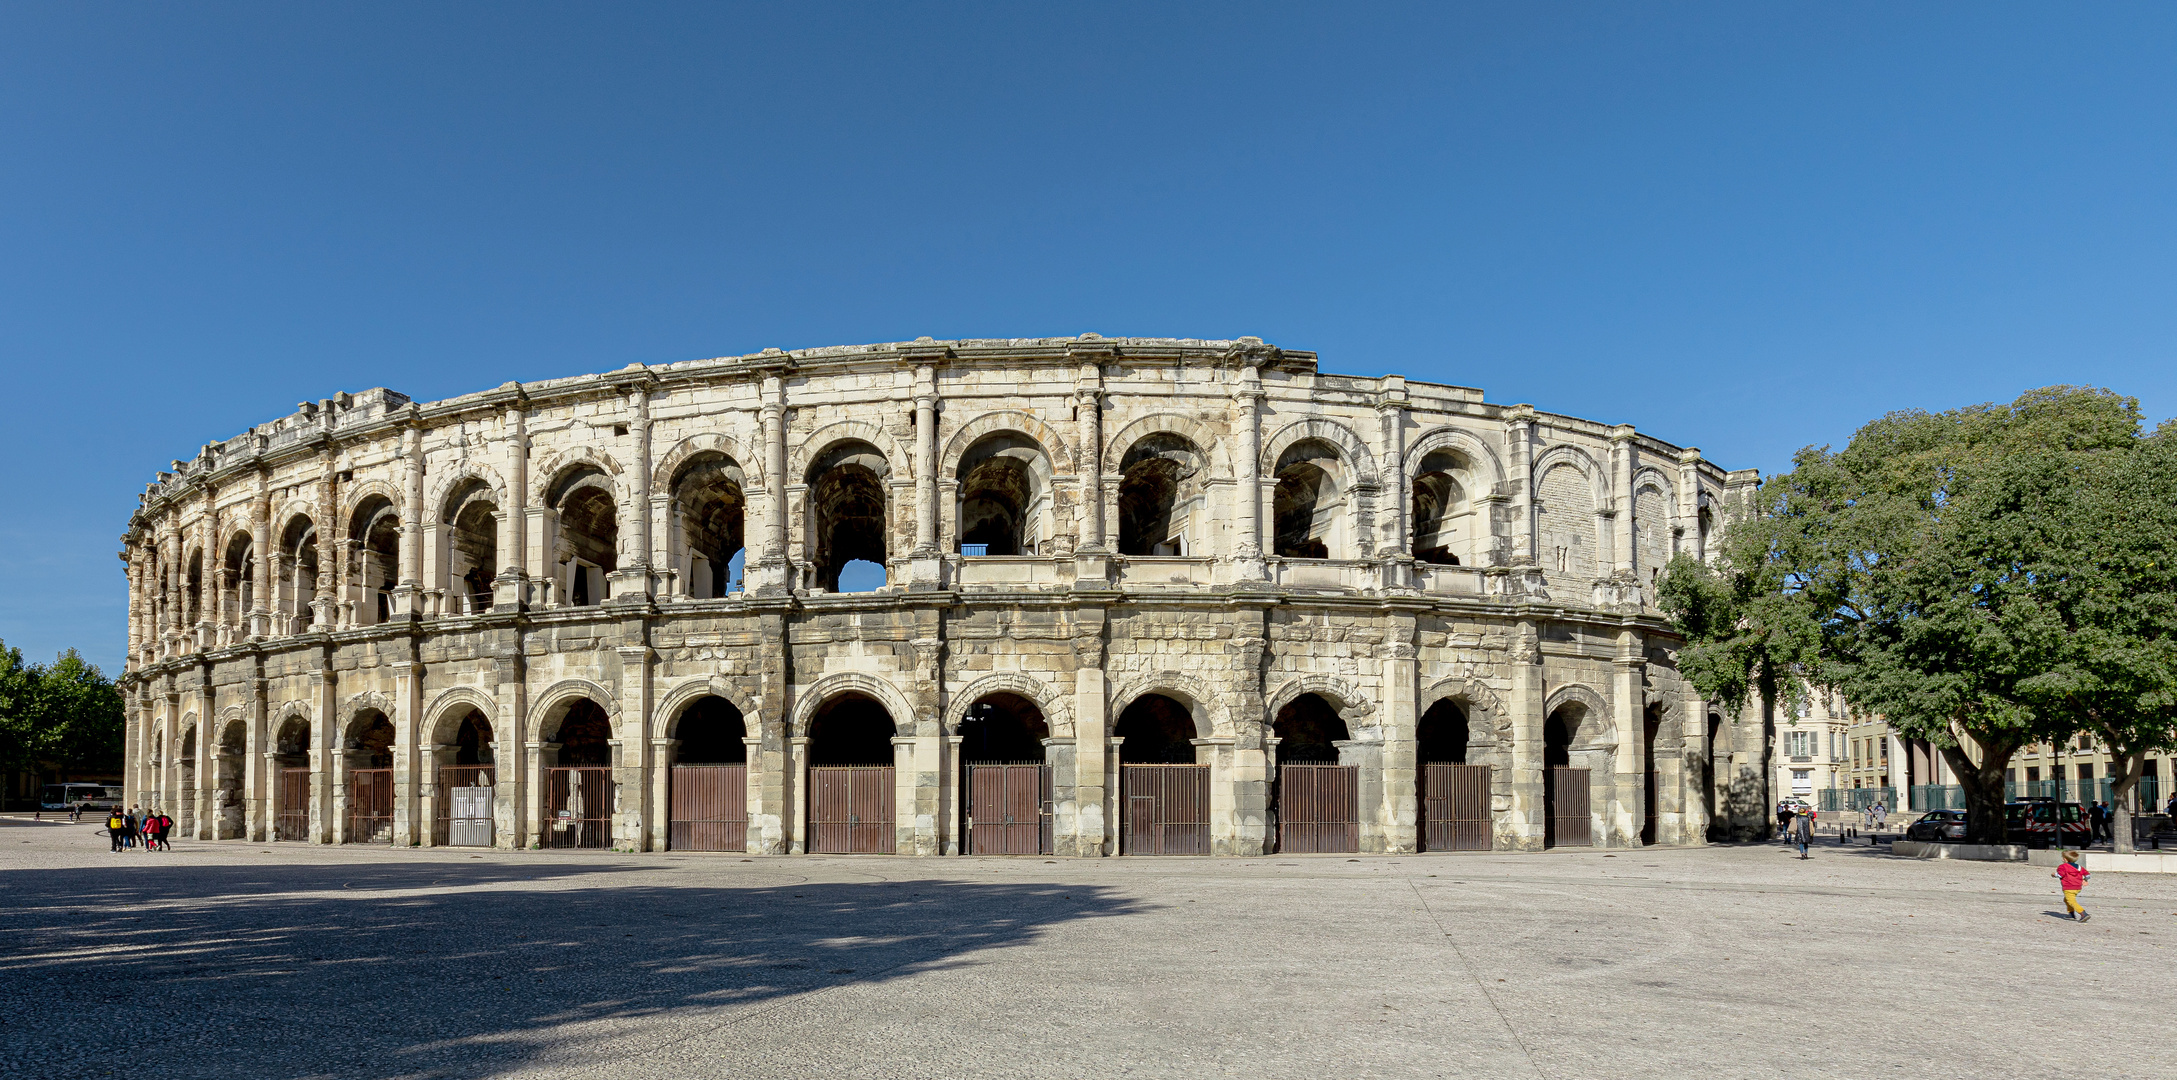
<point>430,969</point>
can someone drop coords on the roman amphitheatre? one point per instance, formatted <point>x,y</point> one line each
<point>1077,596</point>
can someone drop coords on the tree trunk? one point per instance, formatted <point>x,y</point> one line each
<point>1765,686</point>
<point>1983,784</point>
<point>2130,764</point>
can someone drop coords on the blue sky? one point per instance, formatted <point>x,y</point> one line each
<point>1743,227</point>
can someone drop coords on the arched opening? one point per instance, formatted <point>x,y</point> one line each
<point>1309,506</point>
<point>851,729</point>
<point>1455,810</point>
<point>1158,731</point>
<point>585,735</point>
<point>227,757</point>
<point>707,803</point>
<point>708,496</point>
<point>852,804</point>
<point>1004,496</point>
<point>465,787</point>
<point>1651,724</point>
<point>1161,489</point>
<point>1651,533</point>
<point>1008,806</point>
<point>1565,522</point>
<point>192,596</point>
<point>1567,822</point>
<point>1446,527</point>
<point>291,792</point>
<point>1705,522</point>
<point>1308,729</point>
<point>848,517</point>
<point>1316,800</point>
<point>1164,795</point>
<point>473,547</point>
<point>239,580</point>
<point>298,572</point>
<point>185,814</point>
<point>1717,752</point>
<point>711,731</point>
<point>1441,736</point>
<point>375,534</point>
<point>589,534</point>
<point>369,751</point>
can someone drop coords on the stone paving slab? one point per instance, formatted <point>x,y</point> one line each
<point>282,960</point>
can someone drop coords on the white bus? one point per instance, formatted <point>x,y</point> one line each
<point>88,796</point>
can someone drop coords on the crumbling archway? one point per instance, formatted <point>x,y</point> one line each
<point>1308,508</point>
<point>711,509</point>
<point>472,547</point>
<point>1162,488</point>
<point>588,545</point>
<point>1447,530</point>
<point>374,535</point>
<point>848,510</point>
<point>1004,499</point>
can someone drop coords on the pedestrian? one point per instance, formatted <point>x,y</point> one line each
<point>116,827</point>
<point>166,832</point>
<point>129,827</point>
<point>2102,824</point>
<point>2073,878</point>
<point>1802,832</point>
<point>151,830</point>
<point>1783,821</point>
<point>1882,815</point>
<point>2170,808</point>
<point>75,814</point>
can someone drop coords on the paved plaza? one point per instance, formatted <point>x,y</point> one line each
<point>285,960</point>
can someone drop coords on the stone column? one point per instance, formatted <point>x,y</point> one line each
<point>661,792</point>
<point>778,572</point>
<point>638,813</point>
<point>1242,785</point>
<point>510,591</point>
<point>1519,434</point>
<point>330,563</point>
<point>1092,780</point>
<point>1521,813</point>
<point>405,598</point>
<point>325,731</point>
<point>1393,544</point>
<point>907,838</point>
<point>132,561</point>
<point>1687,534</point>
<point>950,775</point>
<point>1089,439</point>
<point>1398,815</point>
<point>797,820</point>
<point>1621,497</point>
<point>201,825</point>
<point>261,545</point>
<point>761,840</point>
<point>516,774</point>
<point>925,460</point>
<point>257,777</point>
<point>1699,772</point>
<point>1247,551</point>
<point>631,582</point>
<point>1627,701</point>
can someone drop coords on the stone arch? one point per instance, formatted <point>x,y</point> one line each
<point>1566,454</point>
<point>1210,718</point>
<point>1057,708</point>
<point>555,699</point>
<point>287,710</point>
<point>443,717</point>
<point>708,442</point>
<point>1650,476</point>
<point>689,691</point>
<point>830,686</point>
<point>1204,437</point>
<point>1055,448</point>
<point>820,441</point>
<point>1351,447</point>
<point>1353,706</point>
<point>1598,735</point>
<point>362,492</point>
<point>1447,437</point>
<point>434,500</point>
<point>1475,696</point>
<point>368,699</point>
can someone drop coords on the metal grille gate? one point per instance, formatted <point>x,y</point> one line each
<point>708,808</point>
<point>291,821</point>
<point>1167,809</point>
<point>1009,810</point>
<point>464,805</point>
<point>1454,807</point>
<point>1318,809</point>
<point>370,806</point>
<point>851,809</point>
<point>1570,823</point>
<point>578,807</point>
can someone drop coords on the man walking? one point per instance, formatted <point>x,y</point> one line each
<point>116,827</point>
<point>1802,833</point>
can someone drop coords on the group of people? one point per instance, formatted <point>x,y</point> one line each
<point>149,830</point>
<point>1877,814</point>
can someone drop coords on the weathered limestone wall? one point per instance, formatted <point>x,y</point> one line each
<point>369,557</point>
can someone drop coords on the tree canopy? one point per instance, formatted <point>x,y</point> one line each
<point>66,715</point>
<point>1984,579</point>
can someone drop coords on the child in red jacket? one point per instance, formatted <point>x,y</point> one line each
<point>2073,876</point>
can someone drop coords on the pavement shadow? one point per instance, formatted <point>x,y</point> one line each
<point>418,969</point>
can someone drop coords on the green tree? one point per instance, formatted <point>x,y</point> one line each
<point>82,716</point>
<point>18,710</point>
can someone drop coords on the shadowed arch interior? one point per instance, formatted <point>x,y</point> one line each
<point>370,740</point>
<point>851,729</point>
<point>589,532</point>
<point>240,580</point>
<point>1161,486</point>
<point>710,733</point>
<point>472,740</point>
<point>848,510</point>
<point>472,544</point>
<point>1158,731</point>
<point>1444,524</point>
<point>1004,486</point>
<point>1003,727</point>
<point>1441,737</point>
<point>708,493</point>
<point>1309,502</point>
<point>1307,729</point>
<point>375,536</point>
<point>585,735</point>
<point>298,570</point>
<point>292,745</point>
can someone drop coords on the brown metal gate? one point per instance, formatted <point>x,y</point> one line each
<point>578,807</point>
<point>1455,807</point>
<point>370,806</point>
<point>291,818</point>
<point>708,808</point>
<point>1166,808</point>
<point>1570,824</point>
<point>851,809</point>
<point>1009,810</point>
<point>1318,809</point>
<point>464,820</point>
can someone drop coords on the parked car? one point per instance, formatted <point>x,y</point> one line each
<point>1938,825</point>
<point>2042,823</point>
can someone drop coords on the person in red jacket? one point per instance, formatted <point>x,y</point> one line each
<point>2073,876</point>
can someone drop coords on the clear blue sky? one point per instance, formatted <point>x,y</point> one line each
<point>1743,227</point>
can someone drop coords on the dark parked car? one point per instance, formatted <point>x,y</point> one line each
<point>1938,825</point>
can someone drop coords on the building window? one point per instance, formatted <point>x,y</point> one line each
<point>2033,774</point>
<point>2086,770</point>
<point>1800,744</point>
<point>1802,781</point>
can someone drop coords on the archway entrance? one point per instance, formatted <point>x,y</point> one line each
<point>1454,794</point>
<point>291,793</point>
<point>1567,821</point>
<point>465,786</point>
<point>852,797</point>
<point>228,820</point>
<point>1163,794</point>
<point>186,813</point>
<point>1008,808</point>
<point>578,792</point>
<point>369,752</point>
<point>1651,724</point>
<point>707,803</point>
<point>1316,800</point>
